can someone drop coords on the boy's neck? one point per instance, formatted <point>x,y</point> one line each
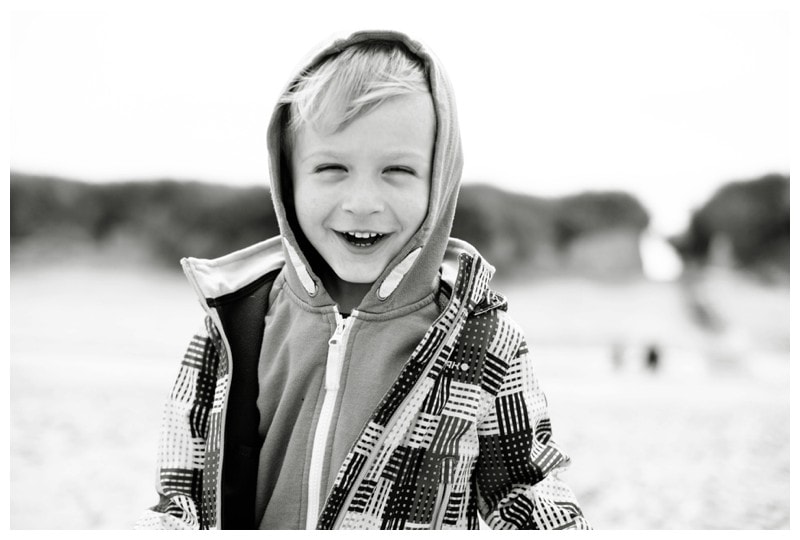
<point>346,295</point>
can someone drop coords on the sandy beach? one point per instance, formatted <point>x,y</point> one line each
<point>696,444</point>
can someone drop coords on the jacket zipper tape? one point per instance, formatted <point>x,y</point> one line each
<point>215,319</point>
<point>337,347</point>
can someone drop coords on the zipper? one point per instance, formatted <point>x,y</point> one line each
<point>333,374</point>
<point>223,415</point>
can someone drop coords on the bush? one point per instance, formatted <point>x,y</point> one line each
<point>752,214</point>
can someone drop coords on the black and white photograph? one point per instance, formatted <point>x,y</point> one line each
<point>400,265</point>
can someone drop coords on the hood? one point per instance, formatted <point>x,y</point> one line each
<point>412,273</point>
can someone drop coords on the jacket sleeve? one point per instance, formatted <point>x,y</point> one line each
<point>518,468</point>
<point>182,443</point>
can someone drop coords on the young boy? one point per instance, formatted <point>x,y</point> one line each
<point>358,372</point>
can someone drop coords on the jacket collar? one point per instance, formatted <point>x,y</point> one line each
<point>463,270</point>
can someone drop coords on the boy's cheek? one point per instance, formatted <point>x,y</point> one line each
<point>414,205</point>
<point>308,200</point>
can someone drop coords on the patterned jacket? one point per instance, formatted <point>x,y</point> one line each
<point>464,431</point>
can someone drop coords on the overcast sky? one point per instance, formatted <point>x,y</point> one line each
<point>666,101</point>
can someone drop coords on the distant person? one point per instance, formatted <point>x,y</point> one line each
<point>652,357</point>
<point>357,372</point>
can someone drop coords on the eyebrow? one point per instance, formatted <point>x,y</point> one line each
<point>399,154</point>
<point>404,154</point>
<point>319,154</point>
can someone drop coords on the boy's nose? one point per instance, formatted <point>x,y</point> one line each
<point>363,197</point>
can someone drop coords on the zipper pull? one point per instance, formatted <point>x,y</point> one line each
<point>333,365</point>
<point>337,334</point>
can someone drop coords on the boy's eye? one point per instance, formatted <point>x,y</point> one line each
<point>330,167</point>
<point>399,169</point>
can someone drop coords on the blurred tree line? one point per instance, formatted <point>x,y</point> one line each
<point>171,219</point>
<point>744,224</point>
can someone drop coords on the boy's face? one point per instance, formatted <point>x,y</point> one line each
<point>361,193</point>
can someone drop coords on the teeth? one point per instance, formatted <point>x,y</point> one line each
<point>362,239</point>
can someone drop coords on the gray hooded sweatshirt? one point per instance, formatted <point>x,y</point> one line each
<point>321,375</point>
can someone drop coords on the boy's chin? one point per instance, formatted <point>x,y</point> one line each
<point>358,278</point>
<point>357,274</point>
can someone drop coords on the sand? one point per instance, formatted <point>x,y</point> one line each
<point>700,443</point>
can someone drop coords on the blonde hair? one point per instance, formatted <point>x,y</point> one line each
<point>350,84</point>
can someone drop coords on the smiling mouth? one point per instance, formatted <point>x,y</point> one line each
<point>362,239</point>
